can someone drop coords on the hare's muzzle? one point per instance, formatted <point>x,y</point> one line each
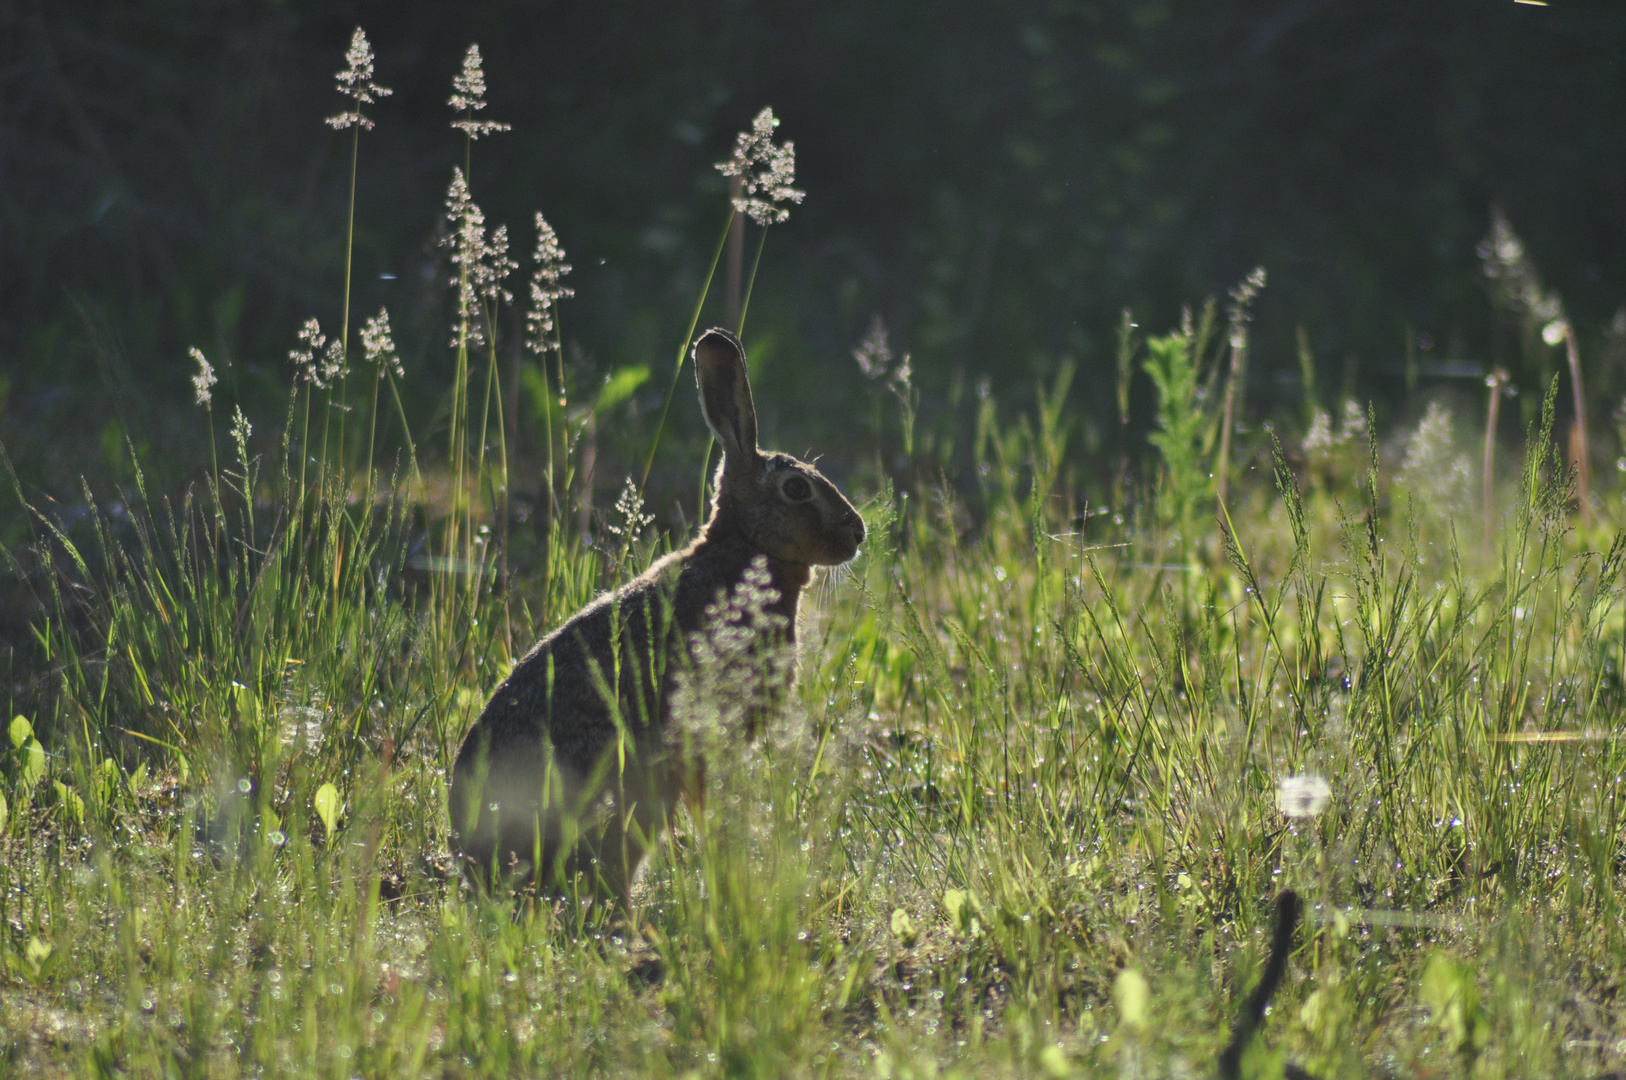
<point>854,527</point>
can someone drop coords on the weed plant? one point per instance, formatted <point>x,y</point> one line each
<point>1023,814</point>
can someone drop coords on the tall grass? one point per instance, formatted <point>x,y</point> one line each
<point>1023,814</point>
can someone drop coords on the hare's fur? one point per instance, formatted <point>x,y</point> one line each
<point>572,769</point>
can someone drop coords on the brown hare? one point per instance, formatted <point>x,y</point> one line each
<point>572,770</point>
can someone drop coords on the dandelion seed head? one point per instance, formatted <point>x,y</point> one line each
<point>1302,796</point>
<point>356,82</point>
<point>766,172</point>
<point>469,96</point>
<point>204,379</point>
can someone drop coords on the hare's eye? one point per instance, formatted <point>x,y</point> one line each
<point>797,489</point>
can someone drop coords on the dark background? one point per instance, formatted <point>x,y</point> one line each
<point>997,179</point>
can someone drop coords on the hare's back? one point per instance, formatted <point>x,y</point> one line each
<point>563,688</point>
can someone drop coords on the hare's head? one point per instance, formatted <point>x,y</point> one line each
<point>781,505</point>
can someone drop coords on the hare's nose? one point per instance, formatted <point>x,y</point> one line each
<point>857,525</point>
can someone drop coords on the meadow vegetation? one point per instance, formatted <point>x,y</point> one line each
<point>1045,768</point>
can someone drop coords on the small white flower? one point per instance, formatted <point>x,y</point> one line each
<point>766,172</point>
<point>1303,796</point>
<point>204,379</point>
<point>356,82</point>
<point>469,96</point>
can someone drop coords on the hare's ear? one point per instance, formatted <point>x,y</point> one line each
<point>725,394</point>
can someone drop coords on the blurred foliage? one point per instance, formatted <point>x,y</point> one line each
<point>997,180</point>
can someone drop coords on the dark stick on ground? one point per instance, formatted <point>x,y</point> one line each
<point>1248,1020</point>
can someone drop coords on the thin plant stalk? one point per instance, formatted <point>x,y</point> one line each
<point>1495,381</point>
<point>406,432</point>
<point>1580,446</point>
<point>499,499</point>
<point>683,348</point>
<point>736,238</point>
<point>344,321</point>
<point>736,251</point>
<point>372,434</point>
<point>557,347</point>
<point>214,479</point>
<point>750,282</point>
<point>1228,415</point>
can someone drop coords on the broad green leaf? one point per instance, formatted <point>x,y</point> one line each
<point>37,953</point>
<point>1131,994</point>
<point>72,805</point>
<point>4,810</point>
<point>21,731</point>
<point>33,764</point>
<point>621,385</point>
<point>327,807</point>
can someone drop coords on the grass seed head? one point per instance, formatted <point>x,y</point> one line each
<point>1513,278</point>
<point>1433,469</point>
<point>766,172</point>
<point>546,287</point>
<point>378,345</point>
<point>356,82</point>
<point>204,379</point>
<point>469,97</point>
<point>483,261</point>
<point>308,357</point>
<point>874,353</point>
<point>241,429</point>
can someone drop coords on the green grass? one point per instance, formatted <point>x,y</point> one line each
<point>1019,765</point>
<point>1020,816</point>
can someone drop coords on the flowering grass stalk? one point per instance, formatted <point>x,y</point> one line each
<point>762,172</point>
<point>543,336</point>
<point>1241,312</point>
<point>355,82</point>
